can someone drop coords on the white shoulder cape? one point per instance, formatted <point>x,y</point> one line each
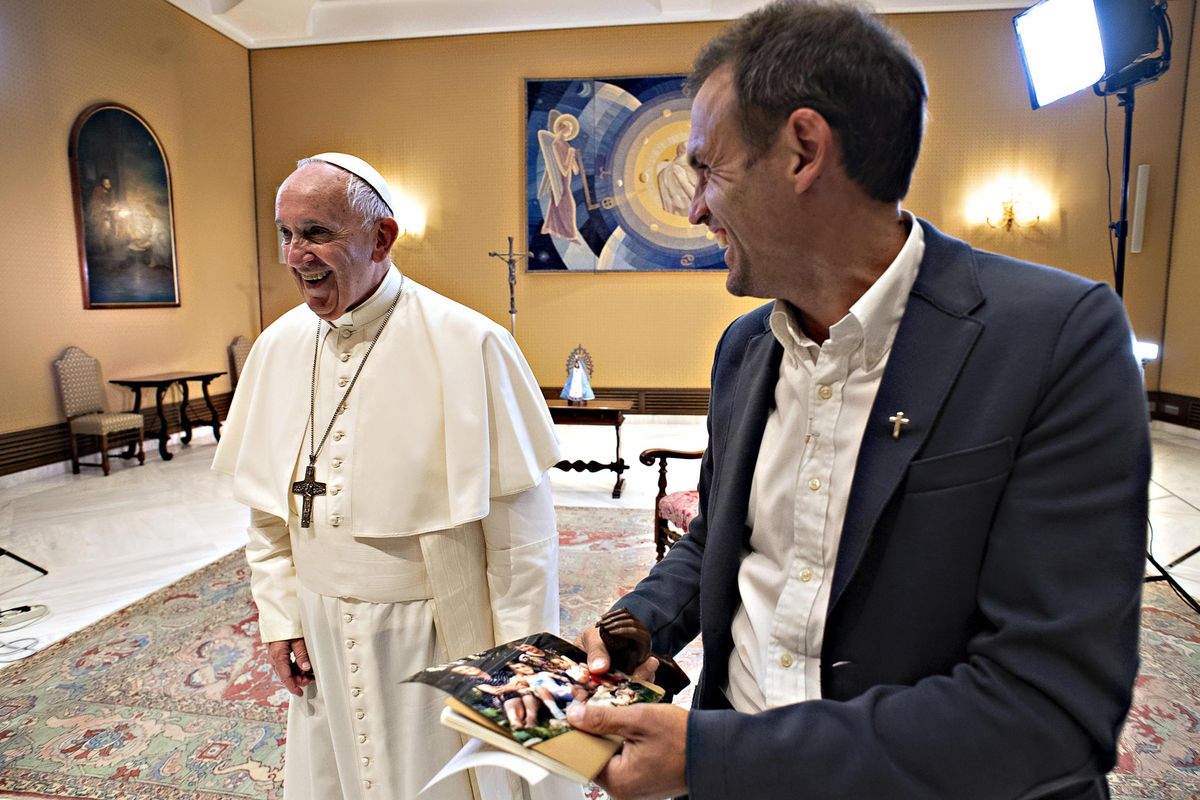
<point>448,416</point>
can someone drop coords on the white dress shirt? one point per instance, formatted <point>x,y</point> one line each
<point>801,485</point>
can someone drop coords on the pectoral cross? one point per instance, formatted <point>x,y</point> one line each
<point>308,489</point>
<point>897,420</point>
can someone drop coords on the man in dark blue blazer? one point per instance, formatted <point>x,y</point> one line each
<point>932,590</point>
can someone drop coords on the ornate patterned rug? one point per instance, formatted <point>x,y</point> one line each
<point>172,699</point>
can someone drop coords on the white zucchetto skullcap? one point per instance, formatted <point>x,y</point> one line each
<point>361,169</point>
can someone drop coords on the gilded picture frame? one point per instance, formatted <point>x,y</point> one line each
<point>124,213</point>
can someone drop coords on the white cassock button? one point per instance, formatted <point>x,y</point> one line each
<point>346,334</point>
<point>345,356</point>
<point>355,691</point>
<point>786,660</point>
<point>337,437</point>
<point>362,738</point>
<point>825,393</point>
<point>350,644</point>
<point>348,617</point>
<point>814,484</point>
<point>354,667</point>
<point>337,462</point>
<point>366,762</point>
<point>342,381</point>
<point>336,490</point>
<point>806,574</point>
<point>360,714</point>
<point>335,520</point>
<point>366,784</point>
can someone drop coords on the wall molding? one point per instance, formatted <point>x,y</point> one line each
<point>50,444</point>
<point>1179,409</point>
<point>36,447</point>
<point>649,401</point>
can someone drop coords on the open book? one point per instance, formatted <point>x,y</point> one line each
<point>515,696</point>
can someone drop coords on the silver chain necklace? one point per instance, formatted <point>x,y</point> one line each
<point>310,487</point>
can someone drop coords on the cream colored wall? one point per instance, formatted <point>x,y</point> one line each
<point>1181,343</point>
<point>443,120</point>
<point>191,85</point>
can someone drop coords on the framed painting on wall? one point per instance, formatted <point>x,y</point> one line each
<point>607,182</point>
<point>124,220</point>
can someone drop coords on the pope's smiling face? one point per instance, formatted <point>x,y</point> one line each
<point>325,245</point>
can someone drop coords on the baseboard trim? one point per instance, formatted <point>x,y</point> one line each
<point>36,447</point>
<point>50,444</point>
<point>649,401</point>
<point>1179,409</point>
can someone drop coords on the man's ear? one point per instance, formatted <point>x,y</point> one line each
<point>387,230</point>
<point>810,144</point>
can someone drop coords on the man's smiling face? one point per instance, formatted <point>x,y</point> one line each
<point>325,245</point>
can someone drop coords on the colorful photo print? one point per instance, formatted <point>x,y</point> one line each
<point>526,686</point>
<point>607,179</point>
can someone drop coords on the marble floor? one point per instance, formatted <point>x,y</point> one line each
<point>107,542</point>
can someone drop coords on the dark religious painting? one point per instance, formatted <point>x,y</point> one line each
<point>607,182</point>
<point>123,214</point>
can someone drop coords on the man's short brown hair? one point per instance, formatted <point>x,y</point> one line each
<point>839,60</point>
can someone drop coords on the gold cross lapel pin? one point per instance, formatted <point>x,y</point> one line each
<point>898,419</point>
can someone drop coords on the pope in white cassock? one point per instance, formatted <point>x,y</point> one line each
<point>392,446</point>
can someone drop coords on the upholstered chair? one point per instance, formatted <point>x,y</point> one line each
<point>674,508</point>
<point>239,351</point>
<point>82,396</point>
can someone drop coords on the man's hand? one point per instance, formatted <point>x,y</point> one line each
<point>296,674</point>
<point>651,765</point>
<point>597,656</point>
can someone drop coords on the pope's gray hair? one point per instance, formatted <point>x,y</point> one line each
<point>363,200</point>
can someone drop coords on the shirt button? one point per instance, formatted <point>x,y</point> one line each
<point>786,660</point>
<point>354,667</point>
<point>345,356</point>
<point>360,714</point>
<point>335,520</point>
<point>342,381</point>
<point>362,738</point>
<point>806,574</point>
<point>825,392</point>
<point>337,437</point>
<point>814,484</point>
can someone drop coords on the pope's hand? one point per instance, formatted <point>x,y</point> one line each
<point>650,765</point>
<point>295,674</point>
<point>597,656</point>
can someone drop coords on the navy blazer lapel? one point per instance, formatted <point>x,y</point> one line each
<point>931,345</point>
<point>753,397</point>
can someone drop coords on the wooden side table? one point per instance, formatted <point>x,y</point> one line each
<point>160,384</point>
<point>595,412</point>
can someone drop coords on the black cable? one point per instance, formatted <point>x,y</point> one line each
<point>1166,576</point>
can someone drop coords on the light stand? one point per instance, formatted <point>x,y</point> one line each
<point>511,259</point>
<point>1122,83</point>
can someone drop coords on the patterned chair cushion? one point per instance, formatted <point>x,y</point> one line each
<point>97,424</point>
<point>680,508</point>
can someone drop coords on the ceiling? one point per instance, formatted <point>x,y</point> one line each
<point>293,23</point>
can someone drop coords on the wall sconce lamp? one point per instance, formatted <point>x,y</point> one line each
<point>1009,203</point>
<point>410,216</point>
